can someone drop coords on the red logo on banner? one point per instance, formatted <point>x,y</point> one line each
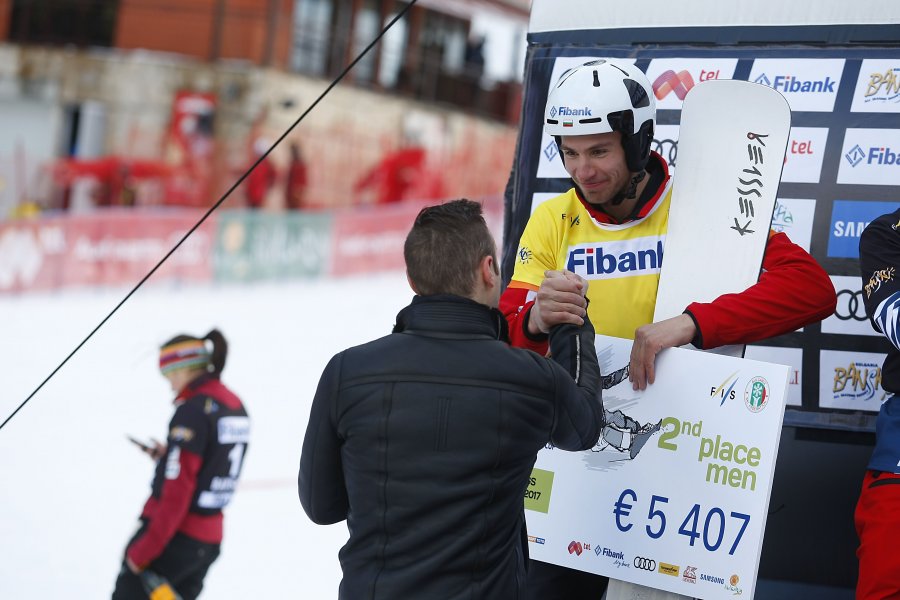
<point>669,81</point>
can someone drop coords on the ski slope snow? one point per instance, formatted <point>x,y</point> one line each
<point>73,486</point>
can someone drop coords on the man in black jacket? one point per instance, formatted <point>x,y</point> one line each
<point>424,440</point>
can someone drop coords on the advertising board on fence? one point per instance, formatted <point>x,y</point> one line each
<point>108,248</point>
<point>255,246</point>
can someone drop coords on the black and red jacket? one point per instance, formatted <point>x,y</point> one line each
<point>195,479</point>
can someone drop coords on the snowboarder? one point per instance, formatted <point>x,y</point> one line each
<point>610,229</point>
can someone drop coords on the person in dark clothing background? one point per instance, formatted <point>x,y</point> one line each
<point>424,440</point>
<point>877,518</point>
<point>196,474</point>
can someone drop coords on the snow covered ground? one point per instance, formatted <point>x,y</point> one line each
<point>72,486</point>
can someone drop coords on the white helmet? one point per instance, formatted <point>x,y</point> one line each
<point>602,96</point>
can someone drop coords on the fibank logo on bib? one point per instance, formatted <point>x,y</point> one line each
<point>610,260</point>
<point>870,157</point>
<point>808,84</point>
<point>848,219</point>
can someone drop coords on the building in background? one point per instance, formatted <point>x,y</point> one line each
<point>112,102</point>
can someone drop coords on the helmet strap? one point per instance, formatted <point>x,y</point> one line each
<point>629,192</point>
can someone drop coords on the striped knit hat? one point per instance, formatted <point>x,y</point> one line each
<point>182,354</point>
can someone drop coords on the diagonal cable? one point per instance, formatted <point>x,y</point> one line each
<point>215,206</point>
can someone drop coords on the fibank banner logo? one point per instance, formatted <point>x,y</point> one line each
<point>851,380</point>
<point>803,160</point>
<point>610,260</point>
<point>850,315</point>
<point>878,87</point>
<point>870,157</point>
<point>848,219</point>
<point>808,84</point>
<point>794,216</point>
<point>673,78</point>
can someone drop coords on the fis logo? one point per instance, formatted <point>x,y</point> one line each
<point>626,258</point>
<point>725,390</point>
<point>789,83</point>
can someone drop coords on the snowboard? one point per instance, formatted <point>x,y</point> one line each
<point>731,148</point>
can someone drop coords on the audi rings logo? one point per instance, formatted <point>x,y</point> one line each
<point>668,149</point>
<point>850,306</point>
<point>645,564</point>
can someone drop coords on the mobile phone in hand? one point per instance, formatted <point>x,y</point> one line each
<point>146,448</point>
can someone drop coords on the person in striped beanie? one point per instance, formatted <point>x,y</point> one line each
<point>197,471</point>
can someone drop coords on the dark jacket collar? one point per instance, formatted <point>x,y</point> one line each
<point>448,314</point>
<point>193,385</point>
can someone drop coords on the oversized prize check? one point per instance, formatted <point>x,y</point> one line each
<point>675,493</point>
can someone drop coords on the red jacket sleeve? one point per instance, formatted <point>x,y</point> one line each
<point>515,307</point>
<point>170,511</point>
<point>793,291</point>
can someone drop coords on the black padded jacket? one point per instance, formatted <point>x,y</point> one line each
<point>424,440</point>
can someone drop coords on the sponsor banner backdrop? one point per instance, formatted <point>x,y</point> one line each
<point>794,216</point>
<point>362,244</point>
<point>848,219</point>
<point>712,425</point>
<point>673,78</point>
<point>870,157</point>
<point>849,317</point>
<point>841,168</point>
<point>809,84</point>
<point>109,248</point>
<point>806,148</point>
<point>665,143</point>
<point>851,380</point>
<point>792,358</point>
<point>34,253</point>
<point>878,87</point>
<point>255,246</point>
<point>371,239</point>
